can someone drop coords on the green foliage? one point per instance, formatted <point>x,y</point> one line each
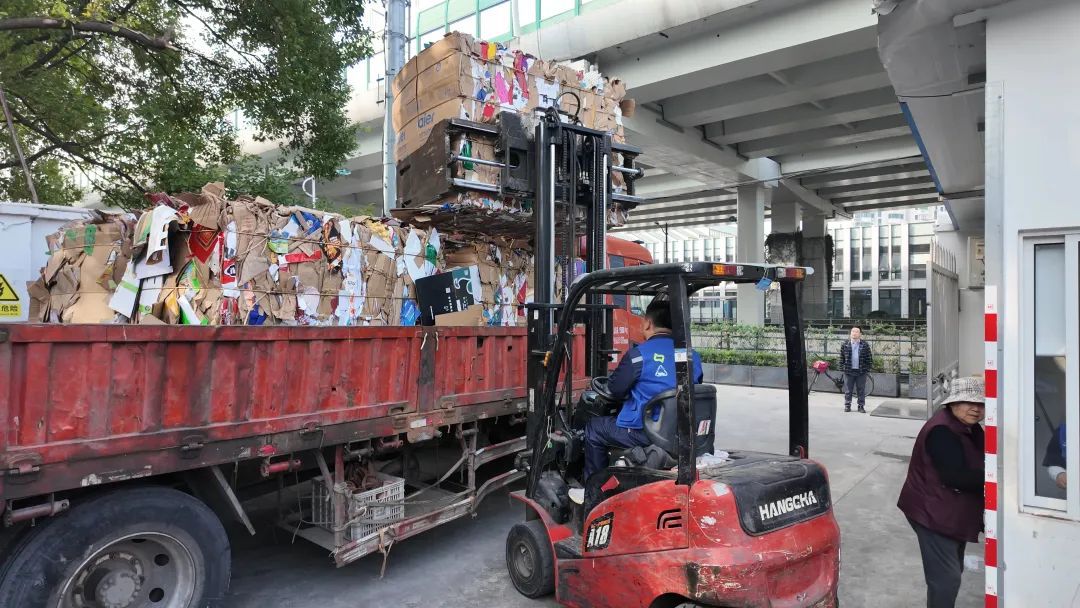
<point>135,94</point>
<point>742,357</point>
<point>50,182</point>
<point>896,348</point>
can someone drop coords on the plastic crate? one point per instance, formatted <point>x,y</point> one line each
<point>369,505</point>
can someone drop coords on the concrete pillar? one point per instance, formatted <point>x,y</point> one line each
<point>785,216</point>
<point>815,294</point>
<point>813,223</point>
<point>750,247</point>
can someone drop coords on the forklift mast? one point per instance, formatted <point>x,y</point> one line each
<point>572,180</point>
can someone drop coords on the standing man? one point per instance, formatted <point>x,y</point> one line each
<point>856,361</point>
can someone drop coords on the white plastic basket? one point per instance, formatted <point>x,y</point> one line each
<point>369,506</point>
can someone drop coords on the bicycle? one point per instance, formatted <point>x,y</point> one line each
<point>822,367</point>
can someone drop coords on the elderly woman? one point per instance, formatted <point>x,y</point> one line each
<point>943,495</point>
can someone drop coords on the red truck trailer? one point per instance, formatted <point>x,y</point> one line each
<point>125,447</point>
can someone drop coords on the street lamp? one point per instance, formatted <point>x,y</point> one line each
<point>664,227</point>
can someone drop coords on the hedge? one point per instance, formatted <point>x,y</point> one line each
<point>765,359</point>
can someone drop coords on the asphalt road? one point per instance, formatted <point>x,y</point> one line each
<point>461,564</point>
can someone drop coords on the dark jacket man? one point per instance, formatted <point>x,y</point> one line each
<point>856,360</point>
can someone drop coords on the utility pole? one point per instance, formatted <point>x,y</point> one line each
<point>664,227</point>
<point>394,43</point>
<point>18,148</point>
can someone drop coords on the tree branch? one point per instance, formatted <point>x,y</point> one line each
<point>98,27</point>
<point>33,157</point>
<point>216,34</point>
<point>54,51</point>
<point>72,148</point>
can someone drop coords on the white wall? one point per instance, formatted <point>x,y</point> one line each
<point>1033,50</point>
<point>23,251</point>
<point>971,302</point>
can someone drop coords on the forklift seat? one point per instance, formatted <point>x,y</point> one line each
<point>661,427</point>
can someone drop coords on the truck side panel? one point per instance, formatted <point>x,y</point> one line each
<point>136,400</point>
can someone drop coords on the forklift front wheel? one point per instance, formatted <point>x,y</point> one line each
<point>530,560</point>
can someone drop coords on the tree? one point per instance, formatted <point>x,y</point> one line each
<point>138,94</point>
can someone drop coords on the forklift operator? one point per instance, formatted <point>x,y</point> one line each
<point>644,372</point>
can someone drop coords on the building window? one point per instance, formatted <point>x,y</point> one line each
<point>431,37</point>
<point>836,303</point>
<point>896,266</point>
<point>1050,376</point>
<point>919,253</point>
<point>554,8</point>
<point>889,253</point>
<point>526,12</point>
<point>867,253</point>
<point>495,22</point>
<point>889,301</point>
<point>862,303</point>
<point>855,244</point>
<point>917,303</point>
<point>465,26</point>
<point>730,246</point>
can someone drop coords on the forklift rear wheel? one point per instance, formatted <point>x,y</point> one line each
<point>530,560</point>
<point>138,547</point>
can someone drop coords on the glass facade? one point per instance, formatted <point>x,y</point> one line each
<point>917,303</point>
<point>889,301</point>
<point>836,303</point>
<point>490,19</point>
<point>889,253</point>
<point>839,247</point>
<point>862,303</point>
<point>884,258</point>
<point>920,237</point>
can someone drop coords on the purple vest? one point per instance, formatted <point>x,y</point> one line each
<point>927,501</point>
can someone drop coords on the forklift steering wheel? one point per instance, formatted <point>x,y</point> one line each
<point>599,385</point>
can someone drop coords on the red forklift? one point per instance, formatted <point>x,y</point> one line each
<point>676,524</point>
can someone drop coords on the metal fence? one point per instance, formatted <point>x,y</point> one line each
<point>896,349</point>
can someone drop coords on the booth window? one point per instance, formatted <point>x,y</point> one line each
<point>1049,381</point>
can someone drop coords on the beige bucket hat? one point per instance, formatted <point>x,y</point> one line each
<point>966,390</point>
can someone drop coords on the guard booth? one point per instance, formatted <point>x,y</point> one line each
<point>998,124</point>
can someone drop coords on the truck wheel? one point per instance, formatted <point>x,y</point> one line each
<point>529,559</point>
<point>138,547</point>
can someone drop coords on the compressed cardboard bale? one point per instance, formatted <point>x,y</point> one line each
<point>460,77</point>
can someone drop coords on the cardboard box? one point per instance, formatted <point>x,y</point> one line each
<point>454,42</point>
<point>470,317</point>
<point>405,108</point>
<point>415,133</point>
<point>452,291</point>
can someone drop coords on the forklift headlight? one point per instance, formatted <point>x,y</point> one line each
<point>791,273</point>
<point>727,270</point>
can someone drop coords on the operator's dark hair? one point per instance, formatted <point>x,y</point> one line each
<point>855,327</point>
<point>659,312</point>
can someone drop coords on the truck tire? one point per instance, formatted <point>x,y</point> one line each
<point>530,560</point>
<point>137,547</point>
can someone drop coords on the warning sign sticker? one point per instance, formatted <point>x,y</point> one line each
<point>9,299</point>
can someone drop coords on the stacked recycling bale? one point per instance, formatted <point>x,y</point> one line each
<point>201,259</point>
<point>461,77</point>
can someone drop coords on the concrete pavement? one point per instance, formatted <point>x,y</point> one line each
<point>461,564</point>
